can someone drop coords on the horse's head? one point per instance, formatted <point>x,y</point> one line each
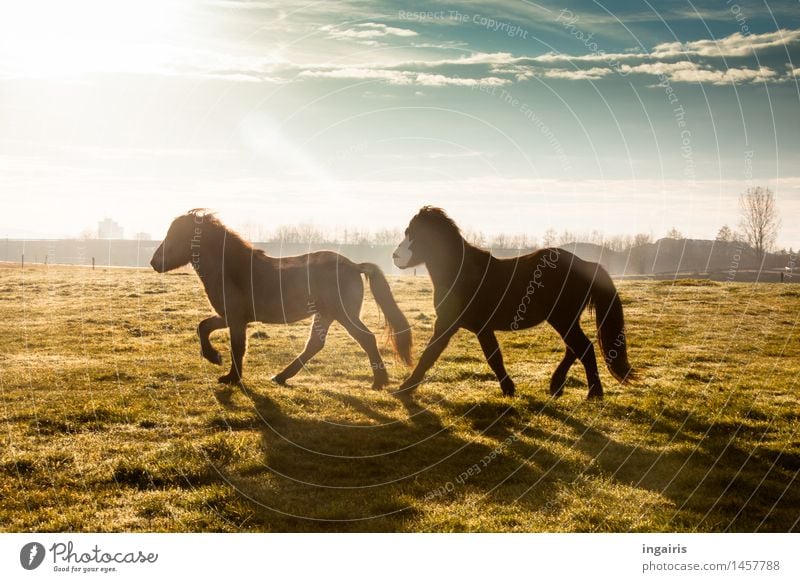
<point>430,229</point>
<point>181,244</point>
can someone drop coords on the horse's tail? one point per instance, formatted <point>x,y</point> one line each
<point>396,323</point>
<point>611,335</point>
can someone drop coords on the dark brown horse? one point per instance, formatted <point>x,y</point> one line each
<point>483,294</point>
<point>244,285</point>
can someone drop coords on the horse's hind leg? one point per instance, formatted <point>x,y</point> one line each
<point>491,349</point>
<point>204,330</point>
<point>582,347</point>
<point>560,375</point>
<point>316,341</point>
<point>366,339</point>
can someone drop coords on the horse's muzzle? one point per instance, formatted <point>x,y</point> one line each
<point>157,262</point>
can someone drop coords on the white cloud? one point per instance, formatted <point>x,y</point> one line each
<point>366,33</point>
<point>399,77</point>
<point>471,59</point>
<point>690,72</point>
<point>502,65</point>
<point>735,45</point>
<point>429,80</point>
<point>577,74</point>
<point>361,73</point>
<point>733,75</point>
<point>65,56</point>
<point>591,57</point>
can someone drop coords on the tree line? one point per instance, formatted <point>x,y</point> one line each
<point>758,228</point>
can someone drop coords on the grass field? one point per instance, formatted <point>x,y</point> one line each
<point>112,422</point>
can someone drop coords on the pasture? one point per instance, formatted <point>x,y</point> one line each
<point>111,421</point>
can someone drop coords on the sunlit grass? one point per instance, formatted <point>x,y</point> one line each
<point>112,421</point>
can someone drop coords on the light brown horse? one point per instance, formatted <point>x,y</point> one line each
<point>244,285</point>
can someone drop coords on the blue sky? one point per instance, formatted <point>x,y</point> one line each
<point>621,117</point>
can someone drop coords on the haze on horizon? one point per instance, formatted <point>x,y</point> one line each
<point>516,117</point>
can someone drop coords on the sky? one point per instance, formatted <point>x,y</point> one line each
<point>619,117</point>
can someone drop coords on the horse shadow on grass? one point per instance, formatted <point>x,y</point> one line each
<point>713,483</point>
<point>383,474</point>
<point>376,475</point>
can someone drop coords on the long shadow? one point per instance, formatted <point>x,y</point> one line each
<point>713,483</point>
<point>319,476</point>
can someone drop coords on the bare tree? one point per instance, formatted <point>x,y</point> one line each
<point>475,237</point>
<point>595,237</point>
<point>566,237</point>
<point>499,241</point>
<point>549,237</point>
<point>387,237</point>
<point>760,222</point>
<point>674,233</point>
<point>300,233</point>
<point>522,241</point>
<point>725,234</point>
<point>616,243</point>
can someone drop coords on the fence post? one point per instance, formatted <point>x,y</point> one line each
<point>92,263</point>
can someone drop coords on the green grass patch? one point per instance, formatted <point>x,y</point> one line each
<point>113,422</point>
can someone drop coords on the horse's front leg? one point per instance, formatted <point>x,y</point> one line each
<point>441,337</point>
<point>491,349</point>
<point>206,327</point>
<point>238,345</point>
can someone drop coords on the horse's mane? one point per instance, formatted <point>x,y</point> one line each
<point>210,218</point>
<point>438,218</point>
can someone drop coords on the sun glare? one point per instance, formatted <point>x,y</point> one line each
<point>44,38</point>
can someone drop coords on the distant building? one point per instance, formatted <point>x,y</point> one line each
<point>142,236</point>
<point>108,228</point>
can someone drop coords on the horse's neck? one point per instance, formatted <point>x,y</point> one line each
<point>208,267</point>
<point>215,262</point>
<point>451,263</point>
<point>218,256</point>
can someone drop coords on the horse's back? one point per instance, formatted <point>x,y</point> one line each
<point>301,285</point>
<point>521,292</point>
<point>315,259</point>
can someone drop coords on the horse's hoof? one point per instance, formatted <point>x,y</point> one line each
<point>230,379</point>
<point>595,395</point>
<point>509,389</point>
<point>214,357</point>
<point>279,380</point>
<point>557,389</point>
<point>380,382</point>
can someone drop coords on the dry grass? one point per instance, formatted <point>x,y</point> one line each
<point>112,422</point>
